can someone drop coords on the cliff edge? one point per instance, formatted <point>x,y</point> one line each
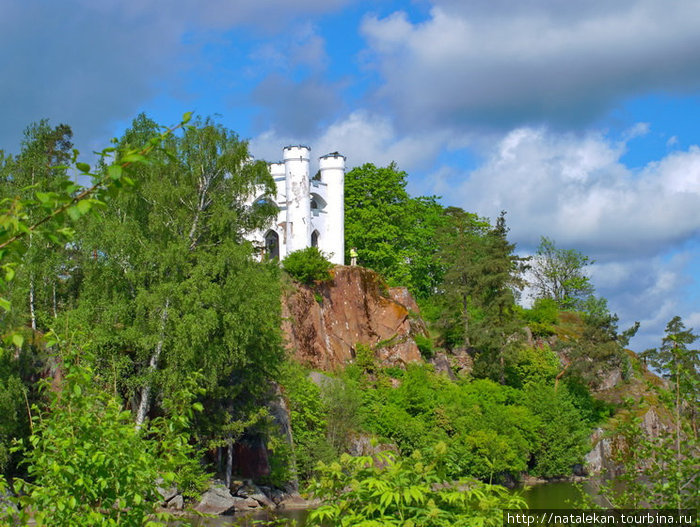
<point>325,322</point>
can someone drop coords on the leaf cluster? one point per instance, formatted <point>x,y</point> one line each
<point>390,490</point>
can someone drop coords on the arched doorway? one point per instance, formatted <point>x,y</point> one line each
<point>314,239</point>
<point>272,245</point>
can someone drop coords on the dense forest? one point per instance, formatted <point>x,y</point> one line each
<point>142,341</point>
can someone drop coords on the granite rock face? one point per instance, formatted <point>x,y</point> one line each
<point>324,323</point>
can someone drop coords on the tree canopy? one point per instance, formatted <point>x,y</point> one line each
<point>560,274</point>
<point>393,233</point>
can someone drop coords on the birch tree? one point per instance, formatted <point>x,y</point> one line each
<point>172,286</point>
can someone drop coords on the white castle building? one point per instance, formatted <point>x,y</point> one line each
<point>311,209</point>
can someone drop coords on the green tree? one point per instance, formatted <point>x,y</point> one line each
<point>560,274</point>
<point>462,249</point>
<point>43,216</point>
<point>595,347</point>
<point>171,286</point>
<point>680,364</point>
<point>561,435</point>
<point>41,164</point>
<point>394,234</point>
<point>482,274</point>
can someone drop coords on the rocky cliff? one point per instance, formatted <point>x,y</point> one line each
<point>324,323</point>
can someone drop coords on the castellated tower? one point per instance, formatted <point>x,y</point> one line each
<point>296,173</point>
<point>311,209</point>
<point>332,169</point>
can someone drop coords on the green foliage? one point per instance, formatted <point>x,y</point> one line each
<point>13,412</point>
<point>680,364</point>
<point>652,471</point>
<point>559,274</point>
<point>308,418</point>
<point>478,302</point>
<point>365,359</point>
<point>425,346</point>
<point>593,411</point>
<point>87,462</point>
<point>542,317</point>
<point>394,234</point>
<point>490,429</point>
<point>668,462</point>
<point>594,345</point>
<point>308,266</point>
<point>40,208</point>
<point>168,284</point>
<point>538,364</point>
<point>561,437</point>
<point>342,400</point>
<point>409,492</point>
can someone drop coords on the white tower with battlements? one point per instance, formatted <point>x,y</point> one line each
<point>311,209</point>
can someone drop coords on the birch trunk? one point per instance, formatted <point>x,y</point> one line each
<point>32,312</point>
<point>55,305</point>
<point>145,403</point>
<point>229,464</point>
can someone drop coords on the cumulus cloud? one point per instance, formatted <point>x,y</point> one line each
<point>650,291</point>
<point>641,227</point>
<point>504,64</point>
<point>363,138</point>
<point>576,190</point>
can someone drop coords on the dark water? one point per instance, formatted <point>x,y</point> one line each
<point>258,519</point>
<point>559,495</point>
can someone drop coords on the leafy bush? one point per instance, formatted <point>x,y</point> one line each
<point>562,434</point>
<point>365,359</point>
<point>89,464</point>
<point>387,490</point>
<point>543,316</point>
<point>308,266</point>
<point>538,364</point>
<point>490,429</point>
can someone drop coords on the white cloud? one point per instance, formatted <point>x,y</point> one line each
<point>503,64</point>
<point>642,226</point>
<point>363,138</point>
<point>576,190</point>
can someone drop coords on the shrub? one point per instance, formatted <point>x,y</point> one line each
<point>543,316</point>
<point>308,266</point>
<point>90,465</point>
<point>388,490</point>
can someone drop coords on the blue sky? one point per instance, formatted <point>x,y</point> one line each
<point>578,118</point>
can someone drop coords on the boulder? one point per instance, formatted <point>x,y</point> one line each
<point>599,459</point>
<point>442,365</point>
<point>218,500</point>
<point>167,493</point>
<point>176,503</point>
<point>253,492</point>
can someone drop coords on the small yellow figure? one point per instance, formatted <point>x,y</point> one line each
<point>353,256</point>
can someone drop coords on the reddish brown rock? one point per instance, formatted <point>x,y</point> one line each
<point>324,323</point>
